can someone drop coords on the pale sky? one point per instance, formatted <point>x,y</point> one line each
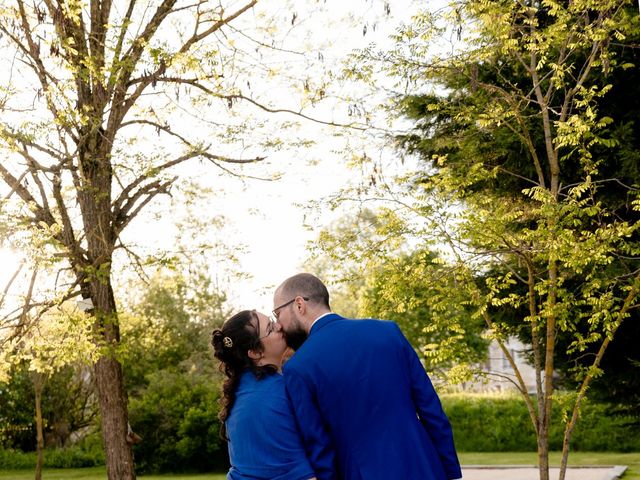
<point>276,235</point>
<point>266,216</point>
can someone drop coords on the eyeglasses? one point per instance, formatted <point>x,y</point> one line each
<point>271,326</point>
<point>276,312</point>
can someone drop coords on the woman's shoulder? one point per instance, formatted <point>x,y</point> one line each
<point>272,380</point>
<point>269,391</point>
<point>262,380</point>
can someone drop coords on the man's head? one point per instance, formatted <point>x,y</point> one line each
<point>297,302</point>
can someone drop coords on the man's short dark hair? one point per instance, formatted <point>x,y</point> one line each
<point>306,285</point>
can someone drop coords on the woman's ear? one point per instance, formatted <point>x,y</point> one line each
<point>255,355</point>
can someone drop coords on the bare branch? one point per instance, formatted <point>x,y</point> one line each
<point>196,151</point>
<point>10,282</point>
<point>33,53</point>
<point>508,378</point>
<point>25,195</point>
<point>262,44</point>
<point>7,322</point>
<point>24,317</point>
<point>118,86</point>
<point>126,212</point>
<point>132,57</point>
<point>18,182</point>
<point>216,26</point>
<point>123,32</point>
<point>136,262</point>
<point>35,174</point>
<point>68,235</point>
<point>231,97</point>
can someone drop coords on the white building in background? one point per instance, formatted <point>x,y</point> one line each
<point>500,376</point>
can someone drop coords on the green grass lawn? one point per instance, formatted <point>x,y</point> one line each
<point>632,460</point>
<point>96,473</point>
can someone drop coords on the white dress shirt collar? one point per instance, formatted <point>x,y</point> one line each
<point>314,322</point>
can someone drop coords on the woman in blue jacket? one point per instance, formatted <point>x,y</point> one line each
<point>256,415</point>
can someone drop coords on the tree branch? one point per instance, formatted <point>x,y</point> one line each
<point>133,55</point>
<point>34,54</point>
<point>10,282</point>
<point>239,96</point>
<point>41,214</point>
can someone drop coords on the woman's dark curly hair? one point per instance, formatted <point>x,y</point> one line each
<point>231,345</point>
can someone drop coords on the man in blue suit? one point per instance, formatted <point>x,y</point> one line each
<point>364,405</point>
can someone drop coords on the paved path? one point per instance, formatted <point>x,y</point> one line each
<point>473,472</point>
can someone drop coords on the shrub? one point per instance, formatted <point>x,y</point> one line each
<point>71,457</point>
<point>501,423</point>
<point>176,416</point>
<point>11,459</point>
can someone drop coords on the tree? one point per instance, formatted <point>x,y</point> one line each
<point>619,161</point>
<point>401,288</point>
<point>170,324</point>
<point>378,274</point>
<point>171,374</point>
<point>59,342</point>
<point>166,325</point>
<point>516,157</point>
<point>16,420</point>
<point>75,176</point>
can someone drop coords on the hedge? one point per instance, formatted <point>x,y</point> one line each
<point>71,457</point>
<point>501,423</point>
<point>481,423</point>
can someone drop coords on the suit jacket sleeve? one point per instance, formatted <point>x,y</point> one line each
<point>431,414</point>
<point>315,437</point>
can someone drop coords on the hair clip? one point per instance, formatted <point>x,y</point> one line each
<point>227,342</point>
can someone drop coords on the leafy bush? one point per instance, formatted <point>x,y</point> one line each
<point>17,423</point>
<point>71,457</point>
<point>176,416</point>
<point>11,459</point>
<point>501,423</point>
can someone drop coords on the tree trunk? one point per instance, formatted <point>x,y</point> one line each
<point>38,384</point>
<point>113,406</point>
<point>94,198</point>
<point>543,454</point>
<point>109,380</point>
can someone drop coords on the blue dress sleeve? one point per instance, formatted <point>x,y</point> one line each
<point>312,428</point>
<point>431,414</point>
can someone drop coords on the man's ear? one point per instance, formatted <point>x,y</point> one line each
<point>301,306</point>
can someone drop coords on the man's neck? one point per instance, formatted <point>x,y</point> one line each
<point>318,316</point>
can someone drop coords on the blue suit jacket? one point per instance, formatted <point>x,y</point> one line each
<point>365,406</point>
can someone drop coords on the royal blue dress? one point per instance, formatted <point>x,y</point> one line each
<point>264,442</point>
